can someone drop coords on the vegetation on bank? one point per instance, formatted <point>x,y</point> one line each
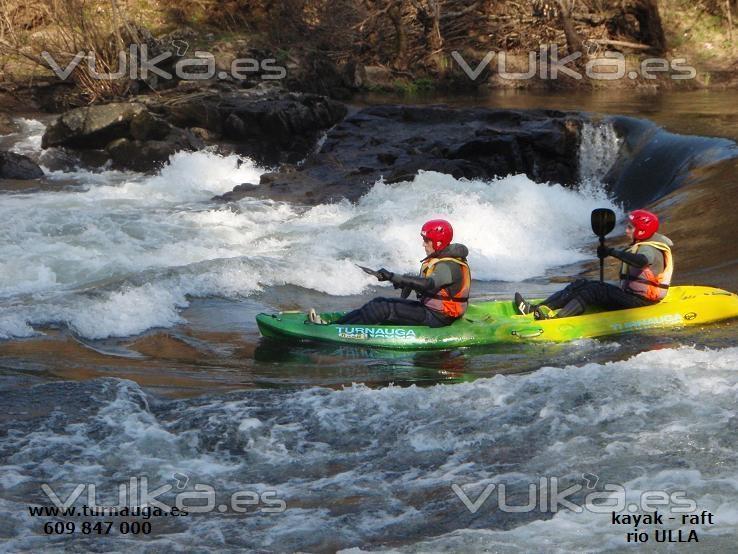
<point>331,46</point>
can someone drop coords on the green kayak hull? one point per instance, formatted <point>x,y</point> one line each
<point>496,322</point>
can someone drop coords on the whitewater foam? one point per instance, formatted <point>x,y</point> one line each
<point>29,133</point>
<point>123,253</point>
<point>364,467</point>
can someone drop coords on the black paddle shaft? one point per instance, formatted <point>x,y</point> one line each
<point>603,222</point>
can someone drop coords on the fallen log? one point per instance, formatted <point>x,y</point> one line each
<point>621,44</point>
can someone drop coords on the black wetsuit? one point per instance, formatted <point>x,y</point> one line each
<point>400,311</point>
<point>396,311</point>
<point>574,299</point>
<point>577,296</point>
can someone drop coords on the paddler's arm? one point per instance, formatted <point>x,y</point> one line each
<point>408,282</point>
<point>441,277</point>
<point>420,284</point>
<point>634,260</point>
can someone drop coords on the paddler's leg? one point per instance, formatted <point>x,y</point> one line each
<point>557,300</point>
<point>371,313</point>
<point>410,312</point>
<point>561,298</point>
<point>394,311</point>
<point>605,295</point>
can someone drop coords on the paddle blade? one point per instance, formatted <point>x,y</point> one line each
<point>603,221</point>
<point>366,270</point>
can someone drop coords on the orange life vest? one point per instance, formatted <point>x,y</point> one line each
<point>642,281</point>
<point>444,301</point>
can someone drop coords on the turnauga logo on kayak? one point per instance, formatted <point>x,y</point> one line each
<point>671,319</point>
<point>372,332</point>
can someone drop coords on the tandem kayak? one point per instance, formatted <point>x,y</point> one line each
<point>497,322</point>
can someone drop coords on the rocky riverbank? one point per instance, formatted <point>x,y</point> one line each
<point>321,149</point>
<point>303,66</point>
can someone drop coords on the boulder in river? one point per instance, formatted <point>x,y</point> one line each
<point>395,142</point>
<point>17,166</point>
<point>92,126</point>
<point>144,155</point>
<point>133,137</point>
<point>269,125</point>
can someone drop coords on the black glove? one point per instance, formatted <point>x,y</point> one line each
<point>420,284</point>
<point>603,251</point>
<point>384,275</point>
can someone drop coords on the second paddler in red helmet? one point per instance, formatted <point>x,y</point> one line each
<point>645,275</point>
<point>442,286</point>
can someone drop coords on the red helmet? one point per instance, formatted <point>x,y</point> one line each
<point>645,223</point>
<point>439,231</point>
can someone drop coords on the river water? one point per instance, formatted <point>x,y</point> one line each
<point>129,350</point>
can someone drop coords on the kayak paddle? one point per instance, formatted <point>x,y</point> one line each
<point>366,270</point>
<point>603,221</point>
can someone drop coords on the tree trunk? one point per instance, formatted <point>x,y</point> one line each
<point>649,22</point>
<point>435,40</point>
<point>573,41</point>
<point>728,8</point>
<point>395,14</point>
<point>428,12</point>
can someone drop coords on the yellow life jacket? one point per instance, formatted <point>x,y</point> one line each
<point>642,281</point>
<point>444,301</point>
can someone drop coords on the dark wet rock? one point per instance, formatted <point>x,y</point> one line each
<point>92,126</point>
<point>54,96</point>
<point>145,126</point>
<point>267,124</point>
<point>47,95</point>
<point>458,168</point>
<point>133,137</point>
<point>395,142</point>
<point>17,166</point>
<point>238,192</point>
<point>146,155</point>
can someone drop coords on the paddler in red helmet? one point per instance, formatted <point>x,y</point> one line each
<point>442,287</point>
<point>645,275</point>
